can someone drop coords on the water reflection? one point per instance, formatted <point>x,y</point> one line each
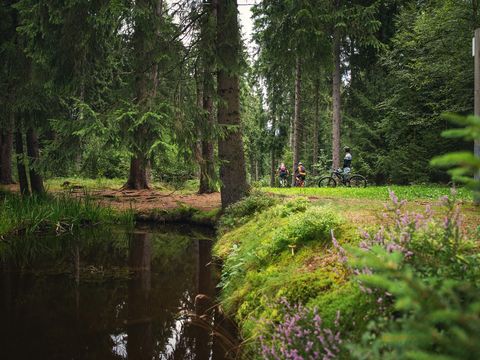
<point>139,326</point>
<point>111,294</point>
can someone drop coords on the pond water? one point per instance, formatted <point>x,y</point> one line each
<point>111,294</point>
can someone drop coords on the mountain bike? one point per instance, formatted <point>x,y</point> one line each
<point>283,182</point>
<point>299,182</point>
<point>338,177</point>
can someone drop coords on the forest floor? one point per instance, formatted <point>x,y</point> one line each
<point>139,200</point>
<point>359,206</point>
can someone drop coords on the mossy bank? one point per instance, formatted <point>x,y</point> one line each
<point>303,282</point>
<point>282,251</point>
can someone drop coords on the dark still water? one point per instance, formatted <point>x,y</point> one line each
<point>110,294</point>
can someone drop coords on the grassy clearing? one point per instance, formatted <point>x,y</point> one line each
<point>62,183</point>
<point>60,213</point>
<point>412,192</point>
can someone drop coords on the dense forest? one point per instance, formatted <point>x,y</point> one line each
<point>135,90</point>
<point>187,179</point>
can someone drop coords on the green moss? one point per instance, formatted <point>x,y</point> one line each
<point>355,308</point>
<point>285,252</point>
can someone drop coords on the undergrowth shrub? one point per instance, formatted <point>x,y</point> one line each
<point>300,334</point>
<point>241,212</point>
<point>314,224</point>
<point>424,274</point>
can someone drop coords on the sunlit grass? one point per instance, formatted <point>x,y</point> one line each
<point>411,192</point>
<point>65,183</point>
<point>88,184</point>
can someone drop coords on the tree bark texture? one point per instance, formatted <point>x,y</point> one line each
<point>145,87</point>
<point>297,124</point>
<point>230,145</point>
<point>33,151</point>
<point>273,165</point>
<point>336,121</point>
<point>207,167</point>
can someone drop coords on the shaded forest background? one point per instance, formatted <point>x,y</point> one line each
<point>124,89</point>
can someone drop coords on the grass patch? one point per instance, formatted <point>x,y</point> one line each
<point>65,183</point>
<point>242,211</point>
<point>60,213</point>
<point>411,192</point>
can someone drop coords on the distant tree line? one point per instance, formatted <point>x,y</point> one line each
<point>374,75</point>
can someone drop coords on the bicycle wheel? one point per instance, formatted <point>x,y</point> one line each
<point>327,181</point>
<point>357,181</point>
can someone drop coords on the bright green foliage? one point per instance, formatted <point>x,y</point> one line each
<point>414,192</point>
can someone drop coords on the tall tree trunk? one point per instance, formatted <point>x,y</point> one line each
<point>336,121</point>
<point>145,89</point>
<point>297,125</point>
<point>6,146</point>
<point>33,151</point>
<point>273,167</point>
<point>230,145</point>
<point>20,157</point>
<point>138,176</point>
<point>207,170</point>
<point>316,121</point>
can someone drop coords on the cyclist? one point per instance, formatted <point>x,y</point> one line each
<point>283,174</point>
<point>347,163</point>
<point>300,174</point>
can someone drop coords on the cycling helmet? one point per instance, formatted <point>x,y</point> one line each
<point>300,163</point>
<point>347,149</point>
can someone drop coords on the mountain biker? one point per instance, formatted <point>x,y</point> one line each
<point>282,172</point>
<point>347,163</point>
<point>300,174</point>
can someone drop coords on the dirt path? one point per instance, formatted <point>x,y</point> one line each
<point>143,200</point>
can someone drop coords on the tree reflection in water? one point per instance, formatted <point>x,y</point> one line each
<point>110,294</point>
